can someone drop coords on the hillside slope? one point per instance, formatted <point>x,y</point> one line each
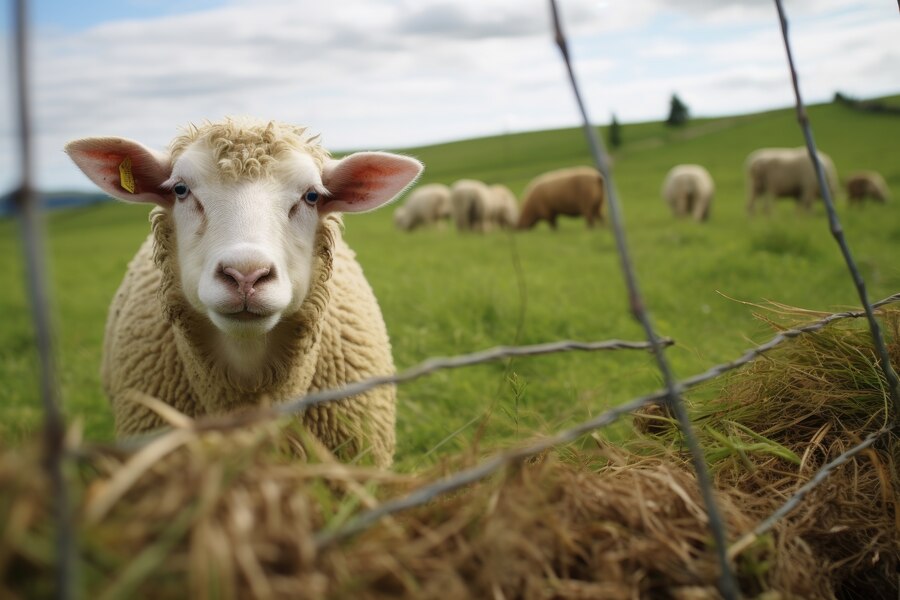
<point>443,293</point>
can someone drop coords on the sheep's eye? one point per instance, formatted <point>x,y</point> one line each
<point>311,197</point>
<point>181,190</point>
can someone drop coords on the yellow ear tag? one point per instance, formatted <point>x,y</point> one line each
<point>126,178</point>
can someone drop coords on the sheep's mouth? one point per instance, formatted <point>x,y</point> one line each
<point>244,323</point>
<point>245,315</point>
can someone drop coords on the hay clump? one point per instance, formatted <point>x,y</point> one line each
<point>234,514</point>
<point>633,528</point>
<point>778,421</point>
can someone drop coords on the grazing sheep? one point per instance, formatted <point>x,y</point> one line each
<point>245,292</point>
<point>426,205</point>
<point>867,184</point>
<point>503,210</point>
<point>469,200</point>
<point>689,190</point>
<point>576,191</point>
<point>786,173</point>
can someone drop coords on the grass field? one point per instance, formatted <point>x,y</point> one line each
<point>444,293</point>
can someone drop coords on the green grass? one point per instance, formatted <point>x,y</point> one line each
<point>443,293</point>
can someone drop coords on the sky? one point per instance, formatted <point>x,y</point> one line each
<point>388,74</point>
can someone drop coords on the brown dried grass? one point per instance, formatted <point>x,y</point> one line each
<point>233,515</point>
<point>777,422</point>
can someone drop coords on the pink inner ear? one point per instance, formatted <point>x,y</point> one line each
<point>100,158</point>
<point>366,180</point>
<point>108,166</point>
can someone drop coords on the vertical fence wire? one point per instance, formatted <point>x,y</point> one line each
<point>673,402</point>
<point>893,383</point>
<point>26,202</point>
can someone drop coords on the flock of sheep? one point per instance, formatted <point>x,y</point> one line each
<point>475,206</point>
<point>579,191</point>
<point>244,293</point>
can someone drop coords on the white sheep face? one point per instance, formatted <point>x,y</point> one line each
<point>245,248</point>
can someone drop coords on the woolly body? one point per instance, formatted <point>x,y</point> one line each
<point>867,184</point>
<point>156,345</point>
<point>786,173</point>
<point>309,322</point>
<point>575,191</point>
<point>503,208</point>
<point>689,191</point>
<point>426,205</point>
<point>469,201</point>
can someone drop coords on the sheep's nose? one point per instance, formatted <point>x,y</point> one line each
<point>246,278</point>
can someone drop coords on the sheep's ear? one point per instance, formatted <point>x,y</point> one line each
<point>366,180</point>
<point>123,169</point>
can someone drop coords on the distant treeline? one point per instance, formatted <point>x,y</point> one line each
<point>53,201</point>
<point>873,106</point>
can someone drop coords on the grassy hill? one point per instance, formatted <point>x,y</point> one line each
<point>444,293</point>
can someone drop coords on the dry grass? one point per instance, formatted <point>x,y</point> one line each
<point>234,515</point>
<point>785,416</point>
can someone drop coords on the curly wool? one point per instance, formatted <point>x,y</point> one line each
<point>246,147</point>
<point>158,345</point>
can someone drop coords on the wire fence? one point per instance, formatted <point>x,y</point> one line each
<point>56,454</point>
<point>26,201</point>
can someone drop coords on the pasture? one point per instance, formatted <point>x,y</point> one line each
<point>444,293</point>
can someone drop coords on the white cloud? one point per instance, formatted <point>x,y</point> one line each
<point>392,73</point>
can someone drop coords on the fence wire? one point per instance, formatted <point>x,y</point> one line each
<point>27,206</point>
<point>673,400</point>
<point>429,366</point>
<point>436,364</point>
<point>669,397</point>
<point>433,365</point>
<point>494,463</point>
<point>835,224</point>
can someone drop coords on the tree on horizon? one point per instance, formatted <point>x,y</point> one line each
<point>678,112</point>
<point>614,133</point>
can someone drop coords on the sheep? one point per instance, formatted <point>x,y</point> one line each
<point>689,191</point>
<point>866,184</point>
<point>786,172</point>
<point>426,205</point>
<point>245,293</point>
<point>469,200</point>
<point>573,191</point>
<point>503,209</point>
